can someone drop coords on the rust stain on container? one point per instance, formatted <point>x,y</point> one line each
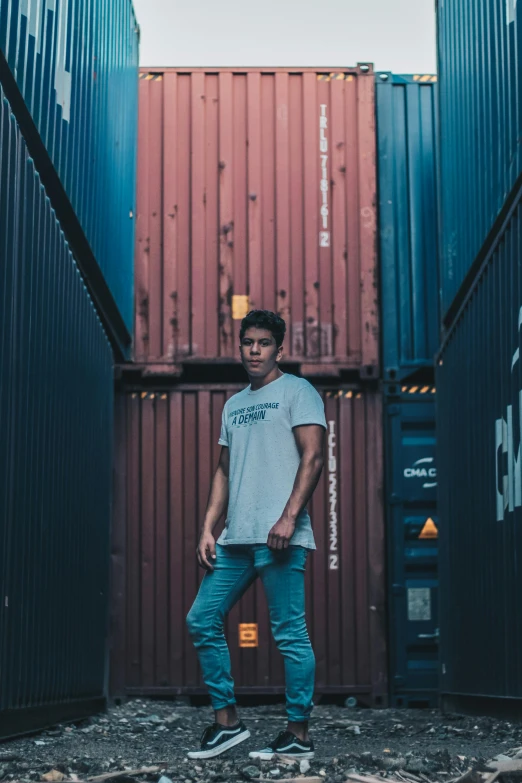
<point>266,188</point>
<point>167,449</point>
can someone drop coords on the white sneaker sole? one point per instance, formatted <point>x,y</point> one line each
<point>213,752</point>
<point>258,754</point>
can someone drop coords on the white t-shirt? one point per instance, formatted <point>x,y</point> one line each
<point>257,426</point>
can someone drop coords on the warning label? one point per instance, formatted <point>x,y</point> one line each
<point>430,529</point>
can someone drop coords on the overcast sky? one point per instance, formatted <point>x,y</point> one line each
<point>396,35</point>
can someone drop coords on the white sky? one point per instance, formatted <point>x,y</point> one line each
<point>396,35</point>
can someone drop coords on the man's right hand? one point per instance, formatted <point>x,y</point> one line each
<point>207,551</point>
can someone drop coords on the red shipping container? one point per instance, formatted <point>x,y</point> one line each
<point>257,189</point>
<point>167,449</point>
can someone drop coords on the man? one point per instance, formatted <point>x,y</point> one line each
<point>271,459</point>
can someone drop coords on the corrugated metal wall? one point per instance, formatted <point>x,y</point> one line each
<point>167,450</point>
<point>407,136</point>
<point>479,383</point>
<point>75,64</point>
<point>56,398</point>
<point>479,45</point>
<point>258,184</point>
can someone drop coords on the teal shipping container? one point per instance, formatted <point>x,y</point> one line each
<point>69,69</point>
<point>479,50</point>
<point>479,444</point>
<point>407,140</point>
<point>412,531</point>
<point>56,402</point>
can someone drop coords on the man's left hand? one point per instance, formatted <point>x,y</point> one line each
<point>281,534</point>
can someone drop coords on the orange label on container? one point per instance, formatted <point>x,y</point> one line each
<point>248,636</point>
<point>429,530</point>
<point>240,307</point>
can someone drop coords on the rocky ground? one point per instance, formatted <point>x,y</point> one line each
<point>412,746</point>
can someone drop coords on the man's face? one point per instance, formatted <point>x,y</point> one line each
<point>259,352</point>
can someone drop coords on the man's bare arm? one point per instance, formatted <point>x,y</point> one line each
<point>216,507</point>
<point>310,442</point>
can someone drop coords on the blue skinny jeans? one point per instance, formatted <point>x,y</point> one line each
<point>283,576</point>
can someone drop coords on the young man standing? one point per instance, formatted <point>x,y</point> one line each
<point>271,459</point>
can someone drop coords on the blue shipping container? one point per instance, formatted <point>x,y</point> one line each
<point>408,214</point>
<point>479,50</point>
<point>76,65</point>
<point>56,399</point>
<point>479,428</point>
<point>412,532</point>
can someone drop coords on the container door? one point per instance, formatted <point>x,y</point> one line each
<point>413,550</point>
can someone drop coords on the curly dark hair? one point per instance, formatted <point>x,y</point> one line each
<point>264,319</point>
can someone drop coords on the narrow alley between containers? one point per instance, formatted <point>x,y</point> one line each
<point>368,222</point>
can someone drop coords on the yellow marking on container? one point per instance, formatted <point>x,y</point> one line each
<point>430,530</point>
<point>425,389</point>
<point>433,390</point>
<point>414,389</point>
<point>358,396</point>
<point>240,306</point>
<point>163,396</point>
<point>144,395</point>
<point>350,77</point>
<point>248,635</point>
<point>349,395</point>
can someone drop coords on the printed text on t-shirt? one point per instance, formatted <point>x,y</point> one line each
<point>251,414</point>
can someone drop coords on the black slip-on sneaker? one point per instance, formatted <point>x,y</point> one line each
<point>288,745</point>
<point>217,739</point>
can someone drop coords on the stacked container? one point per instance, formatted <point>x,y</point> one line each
<point>168,451</point>
<point>69,71</point>
<point>59,129</point>
<point>478,374</point>
<point>408,237</point>
<point>256,189</point>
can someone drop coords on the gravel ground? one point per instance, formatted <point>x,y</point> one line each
<point>408,745</point>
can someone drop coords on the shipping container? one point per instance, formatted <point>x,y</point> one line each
<point>75,64</point>
<point>481,126</point>
<point>412,534</point>
<point>256,189</point>
<point>408,214</point>
<point>56,398</point>
<point>166,453</point>
<point>479,427</point>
